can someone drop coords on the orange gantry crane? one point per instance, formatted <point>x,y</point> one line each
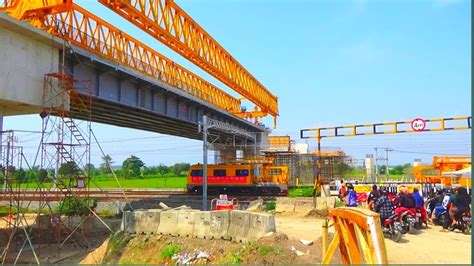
<point>168,23</point>
<point>443,164</point>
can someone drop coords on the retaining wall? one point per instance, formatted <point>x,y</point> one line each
<point>239,226</point>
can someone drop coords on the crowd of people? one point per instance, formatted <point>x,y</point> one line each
<point>450,202</point>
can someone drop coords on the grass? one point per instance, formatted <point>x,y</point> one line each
<point>300,192</point>
<point>161,182</point>
<point>168,251</point>
<point>157,182</point>
<point>270,206</point>
<point>265,250</point>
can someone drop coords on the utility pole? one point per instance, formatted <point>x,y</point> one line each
<point>386,160</point>
<point>376,165</point>
<point>204,163</point>
<point>383,159</point>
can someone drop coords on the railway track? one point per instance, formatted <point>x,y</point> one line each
<point>113,194</point>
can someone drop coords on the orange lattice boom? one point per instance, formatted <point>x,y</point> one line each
<point>167,22</point>
<point>88,31</point>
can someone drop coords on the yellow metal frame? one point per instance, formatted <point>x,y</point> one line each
<point>88,31</point>
<point>375,128</point>
<point>168,23</point>
<point>393,128</point>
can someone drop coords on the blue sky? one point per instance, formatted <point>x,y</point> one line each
<point>330,63</point>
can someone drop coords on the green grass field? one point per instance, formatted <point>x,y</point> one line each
<point>157,182</point>
<point>160,182</point>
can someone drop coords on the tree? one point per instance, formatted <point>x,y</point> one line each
<point>90,168</point>
<point>341,169</point>
<point>408,172</point>
<point>397,170</point>
<point>68,170</point>
<point>383,170</point>
<point>180,168</point>
<point>20,175</point>
<point>162,169</point>
<point>131,166</point>
<point>106,164</point>
<point>42,175</point>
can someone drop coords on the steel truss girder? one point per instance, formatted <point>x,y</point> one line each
<point>168,23</point>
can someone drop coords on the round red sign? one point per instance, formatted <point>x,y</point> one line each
<point>418,124</point>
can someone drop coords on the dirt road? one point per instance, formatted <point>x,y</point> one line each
<point>428,246</point>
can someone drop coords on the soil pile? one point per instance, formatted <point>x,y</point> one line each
<point>158,249</point>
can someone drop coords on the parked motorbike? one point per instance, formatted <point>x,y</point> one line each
<point>419,221</point>
<point>392,228</point>
<point>408,221</point>
<point>439,217</point>
<point>464,223</point>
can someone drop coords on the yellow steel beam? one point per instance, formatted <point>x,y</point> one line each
<point>168,23</point>
<point>385,128</point>
<point>35,8</point>
<point>90,32</point>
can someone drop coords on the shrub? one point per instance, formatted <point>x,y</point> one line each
<point>264,250</point>
<point>270,206</point>
<point>301,192</point>
<point>169,251</point>
<point>74,206</point>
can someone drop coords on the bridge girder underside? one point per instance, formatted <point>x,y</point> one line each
<point>122,98</point>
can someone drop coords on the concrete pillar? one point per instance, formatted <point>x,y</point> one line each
<point>25,56</point>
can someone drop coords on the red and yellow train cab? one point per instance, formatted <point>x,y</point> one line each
<point>236,179</point>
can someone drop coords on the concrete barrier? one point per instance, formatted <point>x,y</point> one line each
<point>303,205</point>
<point>219,225</point>
<point>239,226</point>
<point>151,221</point>
<point>168,223</point>
<point>260,225</point>
<point>202,222</point>
<point>141,224</point>
<point>185,225</point>
<point>128,222</point>
<point>323,203</point>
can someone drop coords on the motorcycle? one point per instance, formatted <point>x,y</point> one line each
<point>464,223</point>
<point>439,217</point>
<point>392,228</point>
<point>419,221</point>
<point>408,221</point>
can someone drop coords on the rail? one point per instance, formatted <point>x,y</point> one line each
<point>358,236</point>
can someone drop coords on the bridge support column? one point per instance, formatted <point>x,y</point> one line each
<point>25,58</point>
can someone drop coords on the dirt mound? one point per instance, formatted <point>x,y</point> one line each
<point>141,249</point>
<point>96,256</point>
<point>317,214</point>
